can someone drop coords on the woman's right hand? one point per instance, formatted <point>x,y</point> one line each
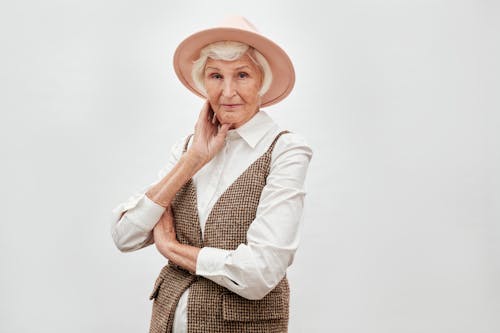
<point>209,135</point>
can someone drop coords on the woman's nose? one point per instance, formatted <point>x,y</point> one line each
<point>229,89</point>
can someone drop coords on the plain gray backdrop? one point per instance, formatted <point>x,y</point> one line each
<point>398,99</point>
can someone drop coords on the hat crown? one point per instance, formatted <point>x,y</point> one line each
<point>238,22</point>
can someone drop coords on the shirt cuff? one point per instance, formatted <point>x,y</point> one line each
<point>145,214</point>
<point>210,262</point>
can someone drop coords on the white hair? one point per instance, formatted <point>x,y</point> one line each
<point>229,51</point>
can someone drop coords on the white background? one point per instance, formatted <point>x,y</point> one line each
<point>399,100</point>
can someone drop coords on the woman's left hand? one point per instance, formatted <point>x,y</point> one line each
<point>166,242</point>
<point>209,135</point>
<point>164,232</point>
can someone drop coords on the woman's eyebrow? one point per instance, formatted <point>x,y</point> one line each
<point>217,69</point>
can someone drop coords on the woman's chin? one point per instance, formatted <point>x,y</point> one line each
<point>231,125</point>
<point>225,120</point>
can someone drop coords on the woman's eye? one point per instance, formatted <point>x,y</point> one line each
<point>216,76</point>
<point>242,75</point>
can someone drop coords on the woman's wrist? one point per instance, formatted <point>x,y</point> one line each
<point>195,159</point>
<point>163,192</point>
<point>156,200</point>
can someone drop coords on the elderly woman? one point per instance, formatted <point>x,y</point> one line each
<point>225,211</point>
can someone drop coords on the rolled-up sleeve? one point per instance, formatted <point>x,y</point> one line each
<point>133,230</point>
<point>133,220</point>
<point>252,270</point>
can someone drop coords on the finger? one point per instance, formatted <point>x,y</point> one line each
<point>216,120</point>
<point>204,111</point>
<point>210,112</point>
<point>223,129</point>
<point>164,217</point>
<point>202,118</point>
<point>158,228</point>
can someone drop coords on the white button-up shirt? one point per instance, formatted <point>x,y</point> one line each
<point>252,269</point>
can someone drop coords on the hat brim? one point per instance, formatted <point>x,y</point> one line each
<point>189,49</point>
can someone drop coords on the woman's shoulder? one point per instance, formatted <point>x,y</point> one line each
<point>291,142</point>
<point>290,138</point>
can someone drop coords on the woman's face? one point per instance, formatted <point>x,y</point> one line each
<point>232,88</point>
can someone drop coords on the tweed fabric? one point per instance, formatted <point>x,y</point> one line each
<point>211,307</point>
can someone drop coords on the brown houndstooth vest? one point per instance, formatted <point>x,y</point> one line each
<point>212,308</point>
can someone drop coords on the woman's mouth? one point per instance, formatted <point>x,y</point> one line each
<point>231,106</point>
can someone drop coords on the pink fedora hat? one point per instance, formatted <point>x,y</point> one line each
<point>237,28</point>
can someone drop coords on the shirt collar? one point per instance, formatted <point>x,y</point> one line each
<point>253,130</point>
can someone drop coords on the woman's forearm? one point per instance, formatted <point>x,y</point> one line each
<point>164,191</point>
<point>208,139</point>
<point>182,255</point>
<point>165,240</point>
